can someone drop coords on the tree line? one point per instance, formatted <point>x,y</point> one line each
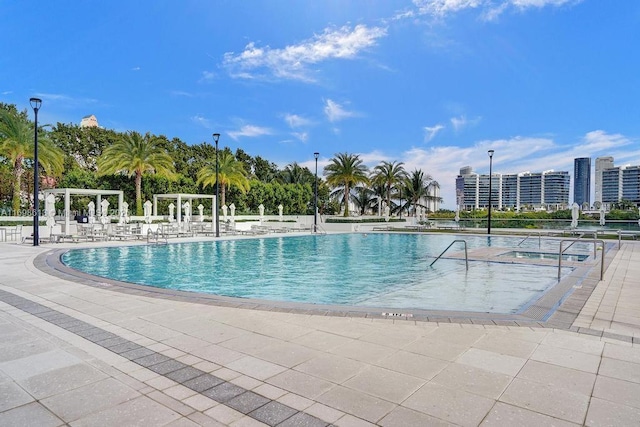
<point>71,156</point>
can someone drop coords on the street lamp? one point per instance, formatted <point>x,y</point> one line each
<point>490,189</point>
<point>216,137</point>
<point>315,198</point>
<point>35,104</point>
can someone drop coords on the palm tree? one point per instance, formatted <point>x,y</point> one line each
<point>418,186</point>
<point>231,173</point>
<point>346,171</point>
<point>389,175</point>
<point>135,155</point>
<point>17,145</point>
<point>365,198</point>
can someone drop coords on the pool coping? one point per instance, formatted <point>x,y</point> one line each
<point>557,308</point>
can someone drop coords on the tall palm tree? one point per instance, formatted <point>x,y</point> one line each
<point>17,145</point>
<point>346,171</point>
<point>135,155</point>
<point>418,186</point>
<point>389,175</point>
<point>231,173</point>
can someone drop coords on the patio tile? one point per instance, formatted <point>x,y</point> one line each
<point>203,382</point>
<point>490,361</point>
<point>152,359</point>
<point>567,358</point>
<point>256,368</point>
<point>452,405</point>
<point>61,380</point>
<point>508,415</point>
<point>217,354</point>
<point>300,383</point>
<point>359,404</point>
<point>547,399</point>
<point>324,412</point>
<point>331,368</point>
<point>224,414</point>
<point>303,420</point>
<point>619,391</point>
<point>413,364</point>
<point>143,410</point>
<point>199,402</point>
<point>363,351</point>
<point>223,392</point>
<point>273,413</point>
<point>437,349</point>
<point>247,402</point>
<point>286,354</point>
<point>321,340</point>
<point>184,374</point>
<point>558,377</point>
<point>33,414</point>
<point>606,413</point>
<point>90,398</point>
<point>137,353</point>
<point>614,351</point>
<point>401,416</point>
<point>473,380</point>
<point>351,421</point>
<point>164,368</point>
<point>574,342</point>
<point>11,396</point>
<point>385,384</point>
<point>34,364</point>
<point>125,347</point>
<point>620,369</point>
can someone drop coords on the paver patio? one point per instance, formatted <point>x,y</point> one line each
<point>79,355</point>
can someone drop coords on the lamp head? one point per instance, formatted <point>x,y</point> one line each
<point>490,153</point>
<point>316,155</point>
<point>35,103</point>
<point>216,137</point>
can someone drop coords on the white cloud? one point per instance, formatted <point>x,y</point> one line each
<point>181,93</point>
<point>431,131</point>
<point>202,121</point>
<point>296,121</point>
<point>250,131</point>
<point>301,136</point>
<point>291,61</point>
<point>63,100</point>
<point>489,9</point>
<point>135,69</point>
<point>335,112</point>
<point>462,122</point>
<point>207,77</point>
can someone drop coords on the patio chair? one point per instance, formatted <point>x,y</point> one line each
<point>15,233</point>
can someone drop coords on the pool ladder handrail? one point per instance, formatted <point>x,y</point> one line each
<point>595,252</point>
<point>157,235</point>
<point>318,229</point>
<point>529,235</point>
<point>466,257</point>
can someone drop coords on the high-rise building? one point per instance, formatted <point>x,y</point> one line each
<point>602,163</point>
<point>582,181</point>
<point>547,189</point>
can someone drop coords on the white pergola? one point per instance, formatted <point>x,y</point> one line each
<point>182,196</point>
<point>68,192</point>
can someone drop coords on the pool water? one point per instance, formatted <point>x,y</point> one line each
<point>375,270</point>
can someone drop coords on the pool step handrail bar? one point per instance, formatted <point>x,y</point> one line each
<point>529,235</point>
<point>466,257</point>
<point>631,233</point>
<point>595,244</point>
<point>318,229</point>
<point>156,235</point>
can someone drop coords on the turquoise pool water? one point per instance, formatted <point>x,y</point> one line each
<point>374,270</point>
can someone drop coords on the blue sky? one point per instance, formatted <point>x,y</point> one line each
<point>432,83</point>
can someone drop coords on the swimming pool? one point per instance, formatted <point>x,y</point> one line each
<point>375,270</point>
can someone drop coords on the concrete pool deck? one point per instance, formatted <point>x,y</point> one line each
<point>72,354</point>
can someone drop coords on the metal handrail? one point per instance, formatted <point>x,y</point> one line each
<point>466,257</point>
<point>529,235</point>
<point>595,243</point>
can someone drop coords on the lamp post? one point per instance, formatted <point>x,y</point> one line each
<point>35,104</point>
<point>315,197</point>
<point>490,189</point>
<point>216,137</point>
<point>400,210</point>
